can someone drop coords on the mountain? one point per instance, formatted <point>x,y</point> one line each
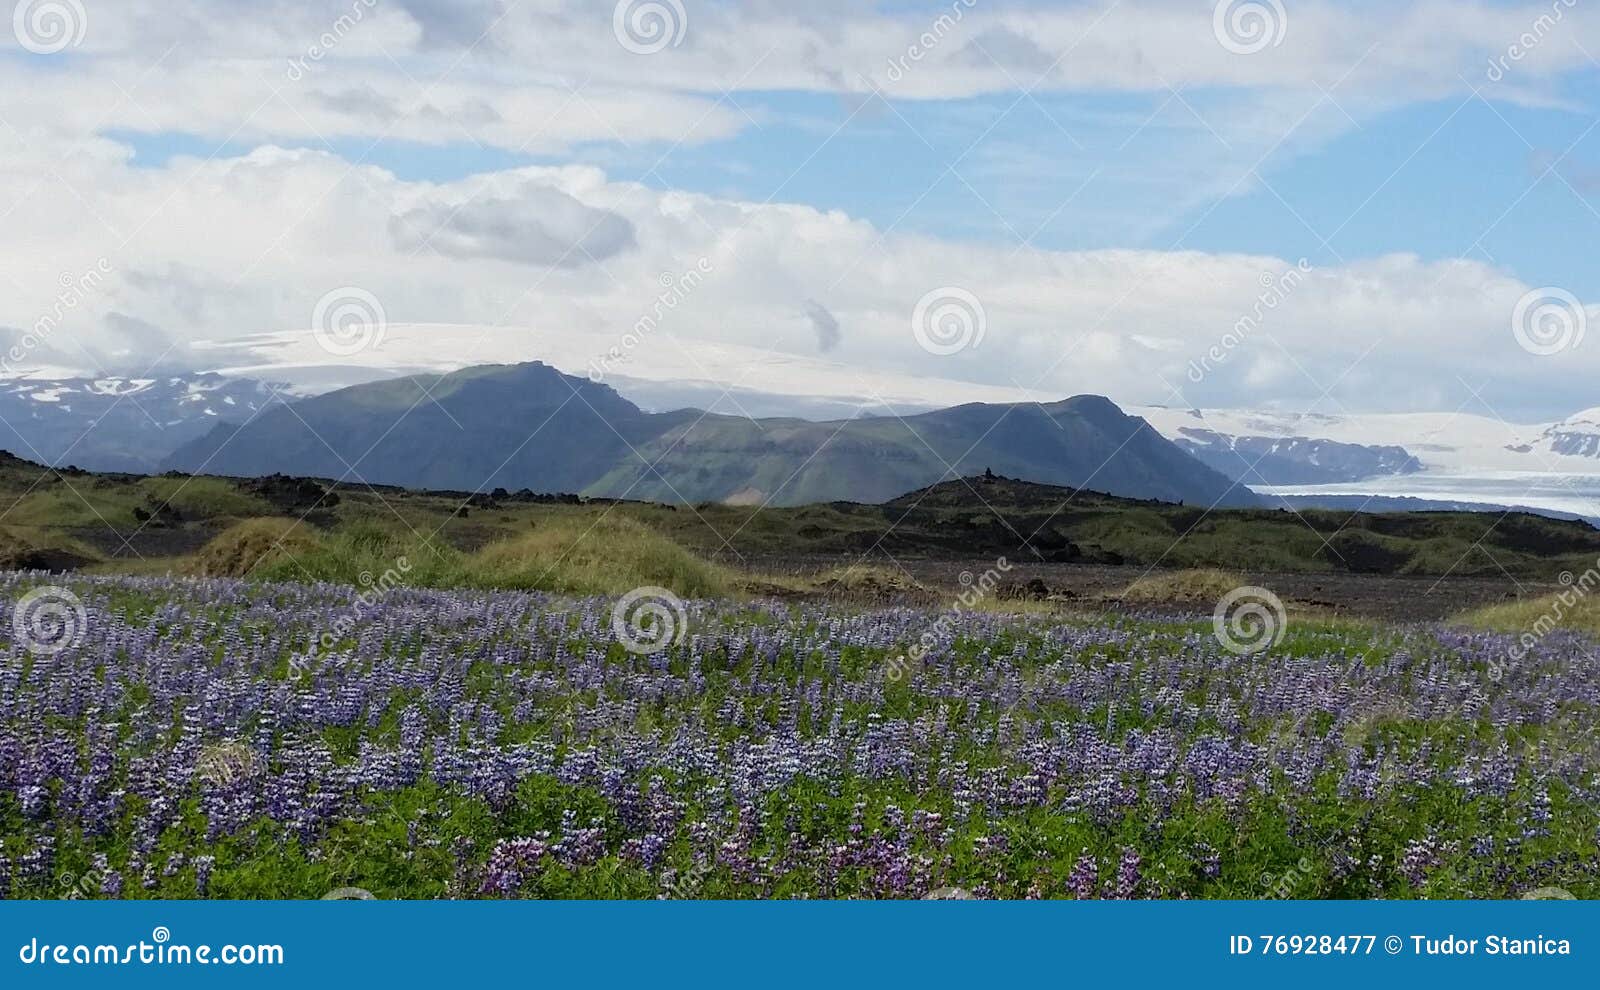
<point>530,426</point>
<point>1466,459</point>
<point>1576,436</point>
<point>1267,449</point>
<point>1294,460</point>
<point>1458,444</point>
<point>119,424</point>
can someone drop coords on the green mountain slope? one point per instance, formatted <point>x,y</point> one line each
<point>529,426</point>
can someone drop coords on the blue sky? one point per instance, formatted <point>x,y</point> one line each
<point>1114,182</point>
<point>1462,176</point>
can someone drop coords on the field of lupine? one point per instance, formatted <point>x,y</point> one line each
<point>167,738</point>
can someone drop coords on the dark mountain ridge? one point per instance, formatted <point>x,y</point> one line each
<point>530,426</point>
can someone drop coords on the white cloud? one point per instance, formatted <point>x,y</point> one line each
<point>204,250</point>
<point>536,226</point>
<point>543,75</point>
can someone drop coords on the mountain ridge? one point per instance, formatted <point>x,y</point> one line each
<point>471,430</point>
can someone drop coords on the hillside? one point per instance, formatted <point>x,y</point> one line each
<point>67,520</point>
<point>529,426</point>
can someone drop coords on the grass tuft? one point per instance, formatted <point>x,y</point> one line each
<point>1575,609</point>
<point>603,555</point>
<point>259,548</point>
<point>1199,585</point>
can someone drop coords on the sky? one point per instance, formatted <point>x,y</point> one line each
<point>1286,204</point>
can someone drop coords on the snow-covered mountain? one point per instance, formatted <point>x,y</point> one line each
<point>119,424</point>
<point>1442,443</point>
<point>1577,436</point>
<point>1448,457</point>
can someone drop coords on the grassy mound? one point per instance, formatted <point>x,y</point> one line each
<point>25,551</point>
<point>1203,585</point>
<point>259,548</point>
<point>1572,609</point>
<point>589,554</point>
<point>865,580</point>
<point>201,498</point>
<point>360,553</point>
<point>593,555</point>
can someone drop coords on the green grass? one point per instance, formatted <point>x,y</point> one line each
<point>578,554</point>
<point>259,548</point>
<point>202,497</point>
<point>1576,609</point>
<point>594,554</point>
<point>1205,586</point>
